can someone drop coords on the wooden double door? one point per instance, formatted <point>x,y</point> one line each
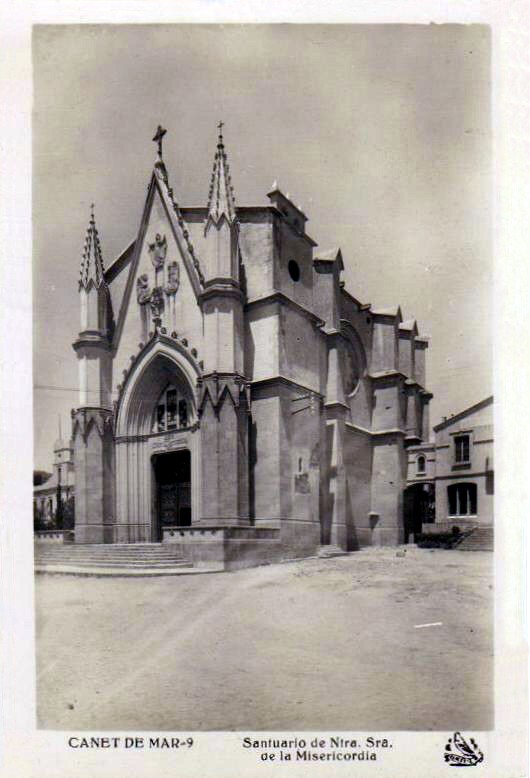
<point>173,490</point>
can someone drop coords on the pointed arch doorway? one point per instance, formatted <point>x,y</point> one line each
<point>172,491</point>
<point>157,446</point>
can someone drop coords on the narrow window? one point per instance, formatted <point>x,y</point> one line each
<point>462,449</point>
<point>171,405</point>
<point>161,418</point>
<point>420,465</point>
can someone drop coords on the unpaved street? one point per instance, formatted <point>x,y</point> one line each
<point>313,645</point>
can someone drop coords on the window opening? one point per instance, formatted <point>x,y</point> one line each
<point>171,411</point>
<point>294,270</point>
<point>462,499</point>
<point>462,449</point>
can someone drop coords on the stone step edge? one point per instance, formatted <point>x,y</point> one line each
<point>103,562</point>
<point>169,555</point>
<point>117,565</point>
<point>103,572</point>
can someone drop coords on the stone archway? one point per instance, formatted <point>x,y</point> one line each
<point>418,508</point>
<point>144,433</point>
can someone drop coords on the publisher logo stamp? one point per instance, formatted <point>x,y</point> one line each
<point>460,752</point>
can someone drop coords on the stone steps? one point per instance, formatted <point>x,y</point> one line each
<point>480,539</point>
<point>107,559</point>
<point>119,572</point>
<point>132,563</point>
<point>95,555</point>
<point>329,551</point>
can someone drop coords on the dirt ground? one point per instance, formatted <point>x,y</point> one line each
<point>312,645</point>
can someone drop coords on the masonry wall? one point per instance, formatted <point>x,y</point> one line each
<point>388,478</point>
<point>257,253</point>
<point>358,462</point>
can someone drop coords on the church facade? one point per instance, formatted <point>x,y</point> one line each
<point>234,398</point>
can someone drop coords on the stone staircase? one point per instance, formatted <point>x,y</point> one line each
<point>480,539</point>
<point>130,559</point>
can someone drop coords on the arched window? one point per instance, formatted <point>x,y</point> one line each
<point>462,499</point>
<point>420,465</point>
<point>173,411</point>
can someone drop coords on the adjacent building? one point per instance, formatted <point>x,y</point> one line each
<point>49,486</point>
<point>451,480</point>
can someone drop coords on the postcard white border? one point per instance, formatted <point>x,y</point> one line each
<point>27,752</point>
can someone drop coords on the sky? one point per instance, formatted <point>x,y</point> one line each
<point>380,132</point>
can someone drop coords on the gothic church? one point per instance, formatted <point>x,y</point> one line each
<point>234,398</point>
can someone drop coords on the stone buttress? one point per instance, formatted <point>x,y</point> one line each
<point>224,396</point>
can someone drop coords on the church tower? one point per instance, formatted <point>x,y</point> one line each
<point>224,393</point>
<point>91,421</point>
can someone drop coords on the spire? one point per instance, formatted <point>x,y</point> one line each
<point>221,195</point>
<point>92,262</point>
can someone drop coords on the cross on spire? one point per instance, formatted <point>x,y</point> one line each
<point>159,134</point>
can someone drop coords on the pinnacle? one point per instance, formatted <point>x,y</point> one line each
<point>92,262</point>
<point>221,199</point>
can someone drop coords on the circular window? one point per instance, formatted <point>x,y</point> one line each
<point>294,270</point>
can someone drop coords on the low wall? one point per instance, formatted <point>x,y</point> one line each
<point>437,527</point>
<point>225,548</point>
<point>54,536</point>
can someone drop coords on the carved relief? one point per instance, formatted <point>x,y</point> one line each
<point>143,293</point>
<point>173,278</point>
<point>301,483</point>
<point>157,301</point>
<point>158,251</point>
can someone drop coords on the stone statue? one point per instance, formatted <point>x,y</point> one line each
<point>143,293</point>
<point>173,278</point>
<point>157,301</point>
<point>158,251</point>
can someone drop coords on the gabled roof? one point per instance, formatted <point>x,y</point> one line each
<point>462,415</point>
<point>160,183</point>
<point>409,326</point>
<point>50,485</point>
<point>330,255</point>
<point>394,311</point>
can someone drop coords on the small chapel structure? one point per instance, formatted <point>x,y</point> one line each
<point>234,398</point>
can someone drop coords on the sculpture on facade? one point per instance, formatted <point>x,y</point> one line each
<point>173,278</point>
<point>143,293</point>
<point>158,251</point>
